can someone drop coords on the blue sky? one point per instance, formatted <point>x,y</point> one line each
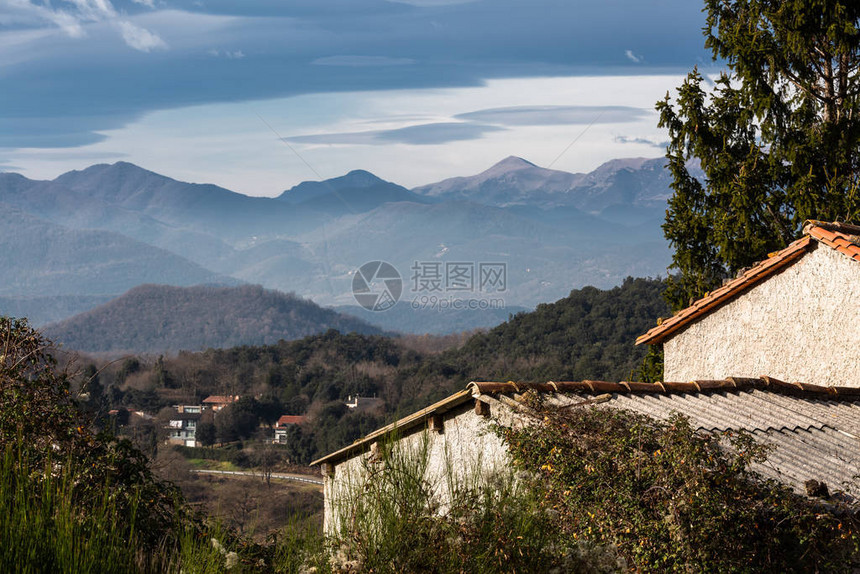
<point>258,95</point>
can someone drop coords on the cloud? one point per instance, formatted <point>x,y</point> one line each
<point>555,115</point>
<point>632,57</point>
<point>75,14</point>
<point>140,38</point>
<point>147,3</point>
<point>432,3</point>
<point>229,54</point>
<point>362,61</point>
<point>422,134</point>
<point>644,141</point>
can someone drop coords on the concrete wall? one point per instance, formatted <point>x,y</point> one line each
<point>801,325</point>
<point>465,449</point>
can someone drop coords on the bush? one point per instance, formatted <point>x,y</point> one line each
<point>391,518</point>
<point>675,500</point>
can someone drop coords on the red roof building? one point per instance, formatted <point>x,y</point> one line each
<point>794,316</point>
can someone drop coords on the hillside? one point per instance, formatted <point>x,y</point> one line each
<point>40,258</point>
<point>158,318</point>
<point>587,335</point>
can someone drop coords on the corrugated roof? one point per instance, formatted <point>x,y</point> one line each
<point>839,236</point>
<point>814,430</point>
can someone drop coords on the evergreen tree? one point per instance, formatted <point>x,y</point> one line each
<point>778,136</point>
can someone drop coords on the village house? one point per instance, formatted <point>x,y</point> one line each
<point>773,352</point>
<point>182,428</point>
<point>282,426</point>
<point>361,404</point>
<point>218,402</point>
<point>794,316</point>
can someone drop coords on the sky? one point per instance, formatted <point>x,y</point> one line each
<point>259,95</point>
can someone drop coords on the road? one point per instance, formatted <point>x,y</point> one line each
<point>275,475</point>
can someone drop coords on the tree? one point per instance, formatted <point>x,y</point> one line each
<point>206,433</point>
<point>777,137</point>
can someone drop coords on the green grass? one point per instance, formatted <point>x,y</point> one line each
<point>46,530</point>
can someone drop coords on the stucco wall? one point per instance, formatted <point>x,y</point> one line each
<point>800,325</point>
<point>467,447</point>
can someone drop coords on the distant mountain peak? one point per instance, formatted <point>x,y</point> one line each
<point>512,162</point>
<point>358,178</point>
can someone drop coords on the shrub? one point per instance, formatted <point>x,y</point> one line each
<point>675,500</point>
<point>393,517</point>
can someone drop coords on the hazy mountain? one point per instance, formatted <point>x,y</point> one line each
<point>553,230</point>
<point>40,258</point>
<point>543,261</point>
<point>637,182</point>
<point>198,220</point>
<point>404,319</point>
<point>356,192</point>
<point>158,318</point>
<point>512,181</point>
<point>47,309</point>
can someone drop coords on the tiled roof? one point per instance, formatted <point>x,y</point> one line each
<point>814,430</point>
<point>842,237</point>
<point>220,399</point>
<point>290,420</point>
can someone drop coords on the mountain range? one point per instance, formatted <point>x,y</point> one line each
<point>100,231</point>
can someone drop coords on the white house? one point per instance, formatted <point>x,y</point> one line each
<point>182,428</point>
<point>811,428</point>
<point>794,316</point>
<point>282,426</point>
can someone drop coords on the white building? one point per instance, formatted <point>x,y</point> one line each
<point>794,316</point>
<point>812,429</point>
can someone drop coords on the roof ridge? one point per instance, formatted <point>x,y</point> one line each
<point>730,384</point>
<point>837,226</point>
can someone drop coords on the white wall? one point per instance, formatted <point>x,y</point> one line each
<point>801,325</point>
<point>467,446</point>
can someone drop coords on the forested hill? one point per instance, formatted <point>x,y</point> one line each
<point>159,318</point>
<point>587,335</point>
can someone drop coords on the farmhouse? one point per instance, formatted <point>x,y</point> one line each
<point>737,355</point>
<point>794,316</point>
<point>814,430</point>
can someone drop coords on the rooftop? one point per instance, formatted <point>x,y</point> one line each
<point>815,430</point>
<point>290,420</point>
<point>841,237</point>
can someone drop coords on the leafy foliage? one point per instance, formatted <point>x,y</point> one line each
<point>778,136</point>
<point>588,335</point>
<point>40,422</point>
<point>674,500</point>
<point>391,519</point>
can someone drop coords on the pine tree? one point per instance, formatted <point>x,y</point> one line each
<point>777,136</point>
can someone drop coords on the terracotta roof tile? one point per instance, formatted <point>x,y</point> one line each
<point>842,237</point>
<point>803,390</point>
<point>220,399</point>
<point>290,420</point>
